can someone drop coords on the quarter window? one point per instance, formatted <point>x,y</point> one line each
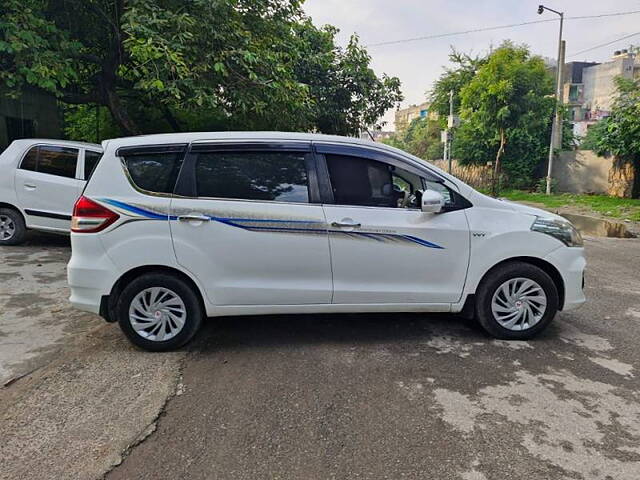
<point>270,176</point>
<point>59,161</point>
<point>154,172</point>
<point>91,159</point>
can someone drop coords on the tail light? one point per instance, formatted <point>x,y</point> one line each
<point>91,217</point>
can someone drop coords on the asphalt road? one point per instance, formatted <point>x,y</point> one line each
<point>346,396</point>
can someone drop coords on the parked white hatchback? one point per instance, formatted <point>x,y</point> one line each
<point>40,181</point>
<point>174,228</point>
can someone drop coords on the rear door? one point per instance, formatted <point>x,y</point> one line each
<point>247,222</point>
<point>48,184</point>
<point>384,249</point>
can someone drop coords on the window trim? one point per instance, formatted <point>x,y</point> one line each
<point>186,186</point>
<point>55,145</point>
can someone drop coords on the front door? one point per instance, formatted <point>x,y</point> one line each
<point>384,249</point>
<point>253,231</point>
<point>47,186</point>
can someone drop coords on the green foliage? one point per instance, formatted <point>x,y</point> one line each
<point>174,65</point>
<point>614,207</point>
<point>619,134</point>
<point>421,138</point>
<point>455,78</point>
<point>593,136</point>
<point>506,114</point>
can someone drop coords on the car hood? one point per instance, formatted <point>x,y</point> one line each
<point>527,210</point>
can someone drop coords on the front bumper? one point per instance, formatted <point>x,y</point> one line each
<point>570,262</point>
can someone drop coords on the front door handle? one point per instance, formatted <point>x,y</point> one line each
<point>346,224</point>
<point>29,186</point>
<point>193,218</point>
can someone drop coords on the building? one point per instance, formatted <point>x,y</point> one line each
<point>33,114</point>
<point>405,116</point>
<point>589,88</point>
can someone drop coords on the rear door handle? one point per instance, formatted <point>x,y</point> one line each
<point>193,218</point>
<point>29,186</point>
<point>346,224</point>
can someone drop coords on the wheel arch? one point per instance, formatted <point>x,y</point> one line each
<point>12,207</point>
<point>108,303</point>
<point>542,264</point>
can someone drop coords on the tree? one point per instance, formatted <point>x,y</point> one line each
<point>506,113</point>
<point>619,134</point>
<point>421,138</point>
<point>172,65</point>
<point>454,78</point>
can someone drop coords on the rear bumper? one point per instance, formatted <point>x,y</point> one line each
<point>90,273</point>
<point>571,263</point>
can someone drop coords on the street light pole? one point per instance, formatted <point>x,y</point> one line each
<point>556,117</point>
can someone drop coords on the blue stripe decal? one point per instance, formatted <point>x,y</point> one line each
<point>237,222</point>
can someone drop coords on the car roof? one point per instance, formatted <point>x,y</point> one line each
<point>165,138</point>
<point>54,141</point>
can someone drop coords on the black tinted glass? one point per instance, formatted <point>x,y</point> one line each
<point>29,162</point>
<point>90,161</point>
<point>155,172</point>
<point>360,181</point>
<point>280,176</point>
<point>60,161</point>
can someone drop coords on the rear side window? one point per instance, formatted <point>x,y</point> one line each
<point>360,181</point>
<point>154,172</point>
<point>59,161</point>
<point>270,176</point>
<point>91,159</point>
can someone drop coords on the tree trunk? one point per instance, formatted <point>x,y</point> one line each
<point>496,166</point>
<point>120,114</point>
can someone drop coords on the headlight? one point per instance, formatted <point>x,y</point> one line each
<point>560,229</point>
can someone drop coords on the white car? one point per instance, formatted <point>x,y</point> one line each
<point>40,181</point>
<point>175,228</point>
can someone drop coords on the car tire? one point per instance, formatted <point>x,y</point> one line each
<point>162,322</point>
<point>12,227</point>
<point>516,301</point>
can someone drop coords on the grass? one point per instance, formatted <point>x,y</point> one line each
<point>624,208</point>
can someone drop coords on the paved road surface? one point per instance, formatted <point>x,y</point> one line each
<point>354,396</point>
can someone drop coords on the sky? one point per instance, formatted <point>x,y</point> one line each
<point>419,63</point>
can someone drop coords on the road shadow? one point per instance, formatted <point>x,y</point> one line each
<point>233,333</point>
<point>43,239</point>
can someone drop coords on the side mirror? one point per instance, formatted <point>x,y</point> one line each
<point>432,201</point>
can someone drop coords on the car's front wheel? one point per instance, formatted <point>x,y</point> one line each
<point>159,311</point>
<point>516,301</point>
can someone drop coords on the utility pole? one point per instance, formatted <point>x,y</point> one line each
<point>557,118</point>
<point>449,125</point>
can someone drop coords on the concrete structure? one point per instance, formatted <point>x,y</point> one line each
<point>589,88</point>
<point>378,135</point>
<point>34,114</point>
<point>405,116</point>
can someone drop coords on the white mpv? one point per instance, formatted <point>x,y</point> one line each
<point>40,180</point>
<point>175,228</point>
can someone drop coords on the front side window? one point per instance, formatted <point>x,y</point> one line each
<point>154,172</point>
<point>370,183</point>
<point>59,161</point>
<point>269,176</point>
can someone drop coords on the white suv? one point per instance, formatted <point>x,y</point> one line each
<point>173,228</point>
<point>40,180</point>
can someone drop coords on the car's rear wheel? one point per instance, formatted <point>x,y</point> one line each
<point>159,311</point>
<point>516,301</point>
<point>12,227</point>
